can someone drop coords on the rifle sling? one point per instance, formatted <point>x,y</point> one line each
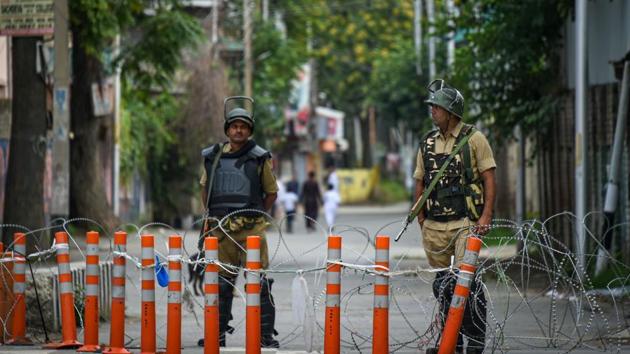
<point>415,210</point>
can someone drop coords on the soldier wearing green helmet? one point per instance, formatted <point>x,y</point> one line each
<point>239,188</point>
<point>462,201</point>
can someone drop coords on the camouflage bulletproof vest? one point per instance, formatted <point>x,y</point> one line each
<point>457,194</point>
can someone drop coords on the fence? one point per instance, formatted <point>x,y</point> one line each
<point>554,260</point>
<point>77,269</point>
<point>556,161</point>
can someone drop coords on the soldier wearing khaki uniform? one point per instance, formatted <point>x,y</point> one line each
<point>238,182</point>
<point>462,200</point>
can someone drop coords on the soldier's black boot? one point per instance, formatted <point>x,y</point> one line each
<point>226,296</point>
<point>474,323</point>
<point>267,315</point>
<point>443,287</point>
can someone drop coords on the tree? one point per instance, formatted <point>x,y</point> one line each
<point>395,89</point>
<point>276,62</point>
<point>24,199</point>
<point>507,62</point>
<point>154,39</point>
<point>353,43</point>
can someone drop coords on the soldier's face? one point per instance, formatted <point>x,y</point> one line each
<point>239,132</point>
<point>439,115</point>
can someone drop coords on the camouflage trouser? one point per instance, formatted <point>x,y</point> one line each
<point>229,250</point>
<point>440,245</point>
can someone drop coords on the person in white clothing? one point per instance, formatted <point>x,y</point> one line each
<point>289,203</point>
<point>332,178</point>
<point>275,210</point>
<point>331,202</point>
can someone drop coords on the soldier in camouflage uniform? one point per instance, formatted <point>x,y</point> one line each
<point>462,199</point>
<point>242,180</point>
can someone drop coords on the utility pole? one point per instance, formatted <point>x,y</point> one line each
<point>417,34</point>
<point>581,85</point>
<point>61,115</point>
<point>117,95</point>
<point>215,21</point>
<point>312,120</point>
<point>431,18</point>
<point>247,42</point>
<point>612,187</point>
<point>265,10</point>
<point>372,134</point>
<point>450,44</point>
<point>520,180</point>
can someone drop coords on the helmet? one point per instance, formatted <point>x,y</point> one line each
<point>237,113</point>
<point>446,97</point>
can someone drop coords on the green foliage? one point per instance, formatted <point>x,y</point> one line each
<point>615,276</point>
<point>149,145</point>
<point>276,61</point>
<point>348,40</point>
<point>389,191</point>
<point>154,37</point>
<point>153,53</point>
<point>145,132</point>
<point>99,21</point>
<point>507,62</point>
<point>395,88</point>
<point>500,236</point>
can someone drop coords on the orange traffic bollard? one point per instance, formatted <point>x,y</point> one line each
<point>6,294</point>
<point>174,310</point>
<point>19,285</point>
<point>68,322</point>
<point>332,331</point>
<point>117,330</point>
<point>211,290</point>
<point>252,290</point>
<point>380,333</point>
<point>147,321</point>
<point>460,295</point>
<point>2,294</point>
<point>90,320</point>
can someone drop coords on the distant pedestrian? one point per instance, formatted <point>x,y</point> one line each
<point>275,209</point>
<point>289,203</point>
<point>311,199</point>
<point>331,202</point>
<point>332,178</point>
<point>293,185</point>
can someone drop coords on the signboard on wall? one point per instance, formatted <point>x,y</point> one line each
<point>26,17</point>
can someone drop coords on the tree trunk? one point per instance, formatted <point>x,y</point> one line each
<point>24,202</point>
<point>87,190</point>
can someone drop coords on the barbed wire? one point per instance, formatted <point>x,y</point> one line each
<point>538,283</point>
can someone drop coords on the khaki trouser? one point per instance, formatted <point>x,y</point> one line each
<point>440,245</point>
<point>232,254</point>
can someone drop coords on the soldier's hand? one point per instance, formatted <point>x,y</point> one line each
<point>483,225</point>
<point>421,218</point>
